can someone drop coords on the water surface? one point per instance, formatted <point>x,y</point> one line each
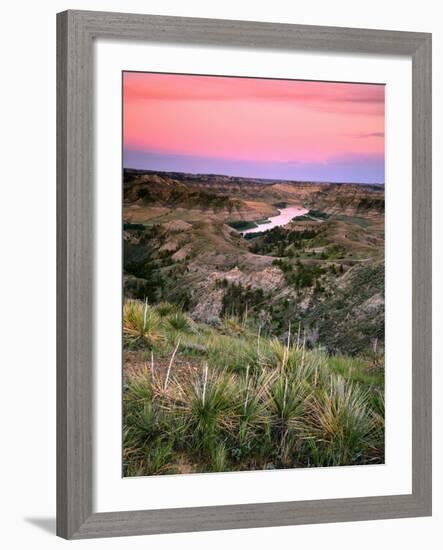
<point>285,216</point>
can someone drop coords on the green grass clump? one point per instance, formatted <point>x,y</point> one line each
<point>179,322</point>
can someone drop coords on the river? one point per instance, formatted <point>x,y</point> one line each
<point>285,216</point>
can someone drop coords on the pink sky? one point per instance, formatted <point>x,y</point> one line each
<point>244,123</point>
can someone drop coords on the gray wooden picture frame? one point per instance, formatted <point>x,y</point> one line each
<point>76,32</point>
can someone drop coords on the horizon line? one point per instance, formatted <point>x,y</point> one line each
<point>251,177</point>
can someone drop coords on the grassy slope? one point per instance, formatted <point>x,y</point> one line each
<point>228,398</point>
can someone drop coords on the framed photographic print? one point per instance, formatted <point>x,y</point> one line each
<point>244,280</point>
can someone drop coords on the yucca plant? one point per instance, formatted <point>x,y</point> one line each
<point>275,353</point>
<point>179,322</point>
<point>148,422</point>
<point>156,458</point>
<point>278,351</point>
<point>139,386</point>
<point>142,432</point>
<point>249,414</point>
<point>145,420</point>
<point>205,405</point>
<point>166,308</point>
<point>377,399</point>
<point>286,403</point>
<point>141,325</point>
<point>137,402</point>
<point>231,324</point>
<point>148,432</point>
<point>377,402</point>
<point>342,426</point>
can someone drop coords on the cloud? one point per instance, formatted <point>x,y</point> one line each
<point>368,135</point>
<point>249,120</point>
<point>179,87</point>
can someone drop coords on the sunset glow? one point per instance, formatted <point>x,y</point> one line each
<point>282,129</point>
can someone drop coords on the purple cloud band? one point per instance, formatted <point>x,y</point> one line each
<point>343,169</point>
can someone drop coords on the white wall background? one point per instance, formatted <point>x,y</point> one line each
<point>27,304</point>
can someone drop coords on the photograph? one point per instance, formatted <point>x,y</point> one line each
<point>253,284</point>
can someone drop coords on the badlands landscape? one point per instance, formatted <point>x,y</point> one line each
<point>253,323</point>
<point>187,241</point>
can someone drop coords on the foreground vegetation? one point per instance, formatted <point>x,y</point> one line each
<point>200,398</point>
